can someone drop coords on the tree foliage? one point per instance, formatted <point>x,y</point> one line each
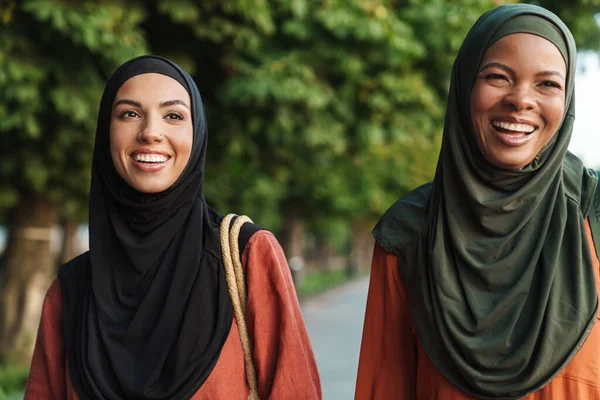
<point>321,111</point>
<point>325,110</point>
<point>581,16</point>
<point>54,59</point>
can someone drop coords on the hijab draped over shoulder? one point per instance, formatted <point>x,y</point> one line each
<point>146,311</point>
<point>497,263</point>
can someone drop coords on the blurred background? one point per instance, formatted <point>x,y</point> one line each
<point>321,114</point>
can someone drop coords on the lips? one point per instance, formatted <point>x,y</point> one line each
<point>149,160</point>
<point>510,127</point>
<point>513,132</point>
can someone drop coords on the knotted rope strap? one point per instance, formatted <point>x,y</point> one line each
<point>237,290</point>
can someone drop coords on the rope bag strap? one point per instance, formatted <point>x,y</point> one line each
<point>237,290</point>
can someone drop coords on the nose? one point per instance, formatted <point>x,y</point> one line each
<point>520,98</point>
<point>150,132</point>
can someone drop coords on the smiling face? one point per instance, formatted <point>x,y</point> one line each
<point>151,132</point>
<point>518,100</point>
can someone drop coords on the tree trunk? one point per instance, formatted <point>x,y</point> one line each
<point>293,237</point>
<point>293,242</point>
<point>69,234</point>
<point>27,269</point>
<point>362,248</point>
<point>325,254</point>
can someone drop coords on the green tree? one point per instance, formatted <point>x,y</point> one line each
<point>54,59</point>
<point>321,114</point>
<point>326,111</point>
<point>581,16</point>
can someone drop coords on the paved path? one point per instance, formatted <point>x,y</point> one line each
<point>334,320</point>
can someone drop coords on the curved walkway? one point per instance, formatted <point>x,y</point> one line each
<point>334,320</point>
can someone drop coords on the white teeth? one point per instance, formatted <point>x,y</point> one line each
<point>514,127</point>
<point>155,158</point>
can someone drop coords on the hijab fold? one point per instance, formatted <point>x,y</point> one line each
<point>498,267</point>
<point>146,311</point>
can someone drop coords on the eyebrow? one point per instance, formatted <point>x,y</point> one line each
<point>127,101</point>
<point>167,103</point>
<point>549,72</point>
<point>511,71</point>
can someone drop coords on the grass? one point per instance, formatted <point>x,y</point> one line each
<point>12,381</point>
<point>11,396</point>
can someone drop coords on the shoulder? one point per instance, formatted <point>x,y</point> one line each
<point>264,253</point>
<point>580,183</point>
<point>416,200</point>
<point>405,220</point>
<point>53,304</point>
<point>75,267</point>
<point>74,279</point>
<point>247,232</point>
<point>54,295</point>
<point>262,240</point>
<point>266,268</point>
<point>385,263</point>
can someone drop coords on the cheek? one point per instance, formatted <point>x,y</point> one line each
<point>117,136</point>
<point>122,136</point>
<point>184,146</point>
<point>478,106</point>
<point>555,111</point>
<point>118,141</point>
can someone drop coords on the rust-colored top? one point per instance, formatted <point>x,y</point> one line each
<point>283,356</point>
<point>394,365</point>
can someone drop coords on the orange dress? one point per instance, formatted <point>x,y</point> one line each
<point>283,356</point>
<point>394,365</point>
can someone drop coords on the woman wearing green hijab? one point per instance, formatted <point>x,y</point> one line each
<point>484,283</point>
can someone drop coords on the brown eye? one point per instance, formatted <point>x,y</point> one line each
<point>551,85</point>
<point>174,116</point>
<point>492,77</point>
<point>128,114</point>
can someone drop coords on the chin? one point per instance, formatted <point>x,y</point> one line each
<point>511,161</point>
<point>509,165</point>
<point>151,188</point>
<point>149,191</point>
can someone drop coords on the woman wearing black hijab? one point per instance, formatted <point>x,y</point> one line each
<point>145,313</point>
<point>484,283</point>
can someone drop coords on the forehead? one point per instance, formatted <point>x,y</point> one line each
<point>525,50</point>
<point>153,86</point>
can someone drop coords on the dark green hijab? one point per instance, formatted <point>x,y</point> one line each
<point>497,263</point>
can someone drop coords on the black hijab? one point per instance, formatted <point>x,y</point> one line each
<point>497,263</point>
<point>146,311</point>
